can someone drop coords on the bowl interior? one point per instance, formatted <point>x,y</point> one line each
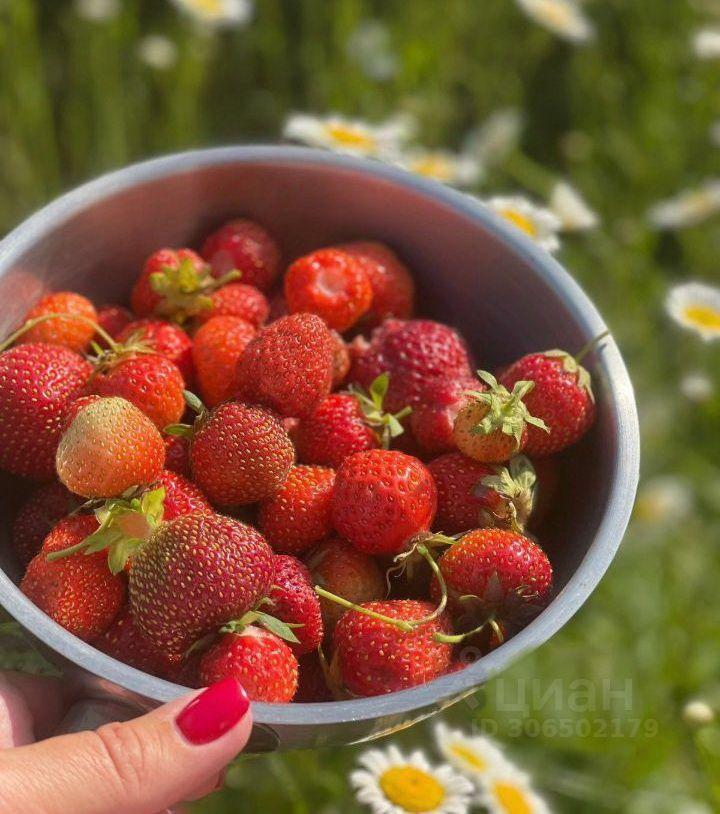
<point>506,297</point>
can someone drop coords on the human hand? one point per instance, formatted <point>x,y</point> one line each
<point>175,753</point>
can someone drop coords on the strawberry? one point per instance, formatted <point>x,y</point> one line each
<point>164,338</point>
<point>124,641</point>
<point>239,454</point>
<point>238,300</point>
<point>218,346</point>
<point>113,319</point>
<point>312,685</point>
<point>181,497</point>
<point>288,366</point>
<point>413,353</point>
<point>393,289</point>
<point>331,284</point>
<point>149,381</point>
<point>78,592</point>
<point>293,601</point>
<point>244,245</point>
<point>382,500</point>
<point>177,454</point>
<point>432,421</point>
<point>493,425</point>
<point>108,447</point>
<point>341,360</point>
<point>261,661</point>
<point>37,516</point>
<point>176,284</point>
<point>472,494</point>
<point>194,574</point>
<point>562,398</point>
<point>298,515</point>
<point>374,657</point>
<point>494,572</point>
<point>343,570</point>
<point>70,333</point>
<point>36,383</point>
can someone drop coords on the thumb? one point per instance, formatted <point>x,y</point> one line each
<point>138,767</point>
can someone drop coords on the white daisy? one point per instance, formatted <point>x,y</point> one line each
<point>697,387</point>
<point>563,17</point>
<point>217,13</point>
<point>715,133</point>
<point>663,500</point>
<point>536,221</point>
<point>706,43</point>
<point>688,208</point>
<point>571,208</point>
<point>698,713</point>
<point>456,169</point>
<point>695,306</point>
<point>97,11</point>
<point>369,46</point>
<point>391,783</point>
<point>351,136</point>
<point>496,137</point>
<point>476,756</point>
<point>157,52</point>
<point>510,792</point>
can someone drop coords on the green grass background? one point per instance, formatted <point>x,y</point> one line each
<point>626,118</point>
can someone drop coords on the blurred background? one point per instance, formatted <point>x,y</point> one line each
<point>617,99</point>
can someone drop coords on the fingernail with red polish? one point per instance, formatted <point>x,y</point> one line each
<point>214,712</point>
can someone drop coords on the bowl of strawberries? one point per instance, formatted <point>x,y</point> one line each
<point>305,420</point>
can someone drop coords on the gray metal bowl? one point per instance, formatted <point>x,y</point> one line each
<point>476,272</point>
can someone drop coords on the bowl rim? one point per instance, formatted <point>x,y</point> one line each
<point>568,601</point>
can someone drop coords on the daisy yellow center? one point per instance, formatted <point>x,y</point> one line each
<point>703,316</point>
<point>433,166</point>
<point>468,756</point>
<point>511,799</point>
<point>522,222</point>
<point>207,6</point>
<point>556,14</point>
<point>411,789</point>
<point>349,137</point>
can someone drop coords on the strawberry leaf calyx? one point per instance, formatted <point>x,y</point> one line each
<point>506,411</point>
<point>388,425</point>
<point>185,289</point>
<point>188,430</point>
<point>571,365</point>
<point>283,630</point>
<point>515,483</point>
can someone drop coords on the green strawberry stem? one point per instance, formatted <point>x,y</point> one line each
<point>589,346</point>
<point>266,620</point>
<point>460,637</point>
<point>188,430</point>
<point>31,323</point>
<point>371,403</point>
<point>401,624</point>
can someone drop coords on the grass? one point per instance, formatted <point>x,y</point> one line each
<point>627,119</point>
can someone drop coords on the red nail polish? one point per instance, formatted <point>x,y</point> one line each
<point>214,712</point>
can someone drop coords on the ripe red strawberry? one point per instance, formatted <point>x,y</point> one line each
<point>239,454</point>
<point>78,592</point>
<point>335,429</point>
<point>413,353</point>
<point>124,641</point>
<point>113,319</point>
<point>177,454</point>
<point>374,657</point>
<point>36,383</point>
<point>218,346</point>
<point>194,574</point>
<point>182,496</point>
<point>493,424</point>
<point>393,289</point>
<point>312,685</point>
<point>176,284</point>
<point>293,601</point>
<point>261,661</point>
<point>341,360</point>
<point>238,300</point>
<point>298,515</point>
<point>382,500</point>
<point>36,518</point>
<point>562,398</point>
<point>494,572</point>
<point>149,381</point>
<point>70,333</point>
<point>108,447</point>
<point>331,284</point>
<point>344,571</point>
<point>166,339</point>
<point>472,494</point>
<point>432,420</point>
<point>244,245</point>
<point>288,366</point>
